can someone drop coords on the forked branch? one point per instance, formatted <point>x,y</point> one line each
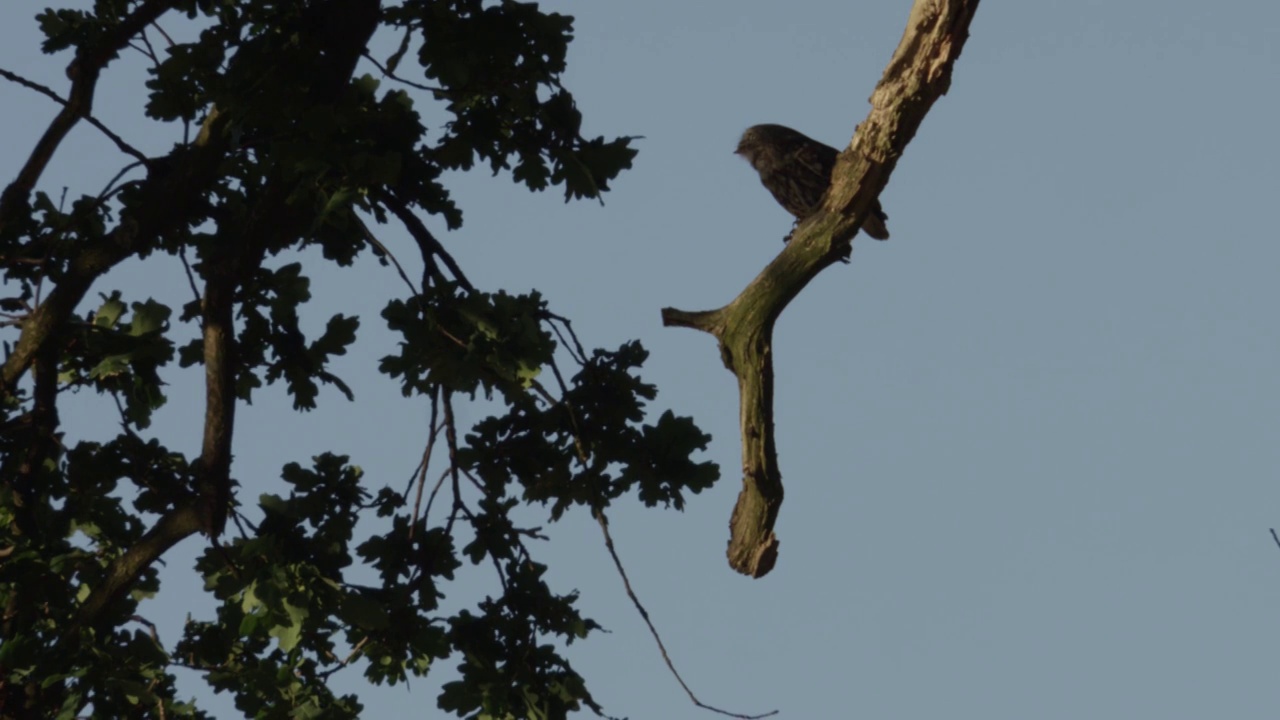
<point>918,74</point>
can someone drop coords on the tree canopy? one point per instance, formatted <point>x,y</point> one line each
<point>288,132</point>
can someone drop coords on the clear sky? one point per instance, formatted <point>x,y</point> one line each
<point>1030,444</point>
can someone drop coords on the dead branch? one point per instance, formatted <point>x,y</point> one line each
<point>917,75</point>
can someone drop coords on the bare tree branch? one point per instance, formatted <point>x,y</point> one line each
<point>917,75</point>
<point>644,615</point>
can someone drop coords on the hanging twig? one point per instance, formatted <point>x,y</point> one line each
<point>426,461</point>
<point>644,615</point>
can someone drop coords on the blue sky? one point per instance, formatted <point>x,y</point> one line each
<point>1029,444</point>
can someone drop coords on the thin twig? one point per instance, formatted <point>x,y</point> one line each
<point>427,243</point>
<point>573,415</point>
<point>374,241</point>
<point>155,636</point>
<point>110,188</point>
<point>598,514</point>
<point>191,278</point>
<point>432,497</point>
<point>163,34</point>
<point>355,651</point>
<point>572,353</point>
<point>451,438</point>
<point>119,141</point>
<point>426,458</point>
<point>1275,537</point>
<point>568,326</point>
<point>397,78</point>
<point>143,51</point>
<point>151,51</point>
<point>474,480</point>
<point>124,419</point>
<point>644,614</point>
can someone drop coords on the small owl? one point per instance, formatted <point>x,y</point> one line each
<point>797,170</point>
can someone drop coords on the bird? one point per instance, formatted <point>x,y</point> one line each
<point>796,169</point>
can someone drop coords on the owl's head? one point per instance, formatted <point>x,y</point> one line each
<point>766,146</point>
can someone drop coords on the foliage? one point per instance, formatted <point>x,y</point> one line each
<point>283,141</point>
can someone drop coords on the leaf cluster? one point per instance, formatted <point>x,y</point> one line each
<point>283,143</point>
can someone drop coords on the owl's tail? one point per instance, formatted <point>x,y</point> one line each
<point>874,225</point>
